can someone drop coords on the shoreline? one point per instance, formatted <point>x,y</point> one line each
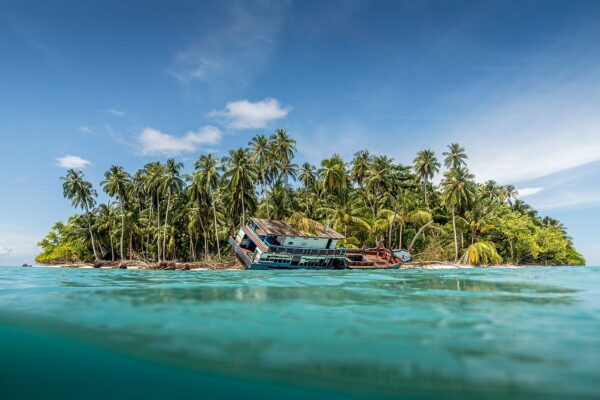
<point>235,266</point>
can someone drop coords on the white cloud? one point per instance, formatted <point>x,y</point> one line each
<point>568,198</point>
<point>153,141</point>
<point>85,129</point>
<point>114,112</point>
<point>244,114</point>
<point>529,191</point>
<point>70,161</point>
<point>5,251</point>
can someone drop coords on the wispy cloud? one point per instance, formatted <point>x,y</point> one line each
<point>536,125</point>
<point>155,142</point>
<point>4,251</point>
<point>236,48</point>
<point>70,161</point>
<point>244,114</point>
<point>114,112</point>
<point>529,191</point>
<point>85,129</point>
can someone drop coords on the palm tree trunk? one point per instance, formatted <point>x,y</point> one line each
<point>400,236</point>
<point>243,210</point>
<point>91,233</point>
<point>131,244</point>
<point>122,228</point>
<point>425,191</point>
<point>455,239</point>
<point>158,226</point>
<point>112,248</point>
<point>264,185</point>
<point>165,227</point>
<point>412,243</point>
<point>212,198</point>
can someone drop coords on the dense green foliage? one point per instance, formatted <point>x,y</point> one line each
<point>160,213</point>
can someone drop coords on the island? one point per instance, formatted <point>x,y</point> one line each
<point>164,217</point>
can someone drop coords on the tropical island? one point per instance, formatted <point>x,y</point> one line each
<point>160,217</point>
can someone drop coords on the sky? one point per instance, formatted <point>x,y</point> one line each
<point>91,84</point>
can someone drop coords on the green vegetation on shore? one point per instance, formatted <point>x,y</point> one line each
<point>160,213</point>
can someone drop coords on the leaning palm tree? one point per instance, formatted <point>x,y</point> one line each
<point>426,166</point>
<point>458,190</point>
<point>116,183</point>
<point>205,180</point>
<point>455,156</point>
<point>82,195</point>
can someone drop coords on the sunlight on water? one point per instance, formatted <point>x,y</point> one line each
<point>444,333</point>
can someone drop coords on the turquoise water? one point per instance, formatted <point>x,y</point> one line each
<point>493,333</point>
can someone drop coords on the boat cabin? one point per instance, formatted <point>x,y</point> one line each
<point>264,244</point>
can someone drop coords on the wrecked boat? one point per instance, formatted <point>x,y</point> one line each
<point>272,244</point>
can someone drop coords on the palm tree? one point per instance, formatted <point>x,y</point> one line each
<point>105,222</point>
<point>426,166</point>
<point>283,148</point>
<point>240,176</point>
<point>116,183</point>
<point>455,156</point>
<point>333,173</point>
<point>343,210</point>
<point>458,189</point>
<point>206,179</point>
<point>360,166</point>
<point>172,184</point>
<point>82,195</point>
<point>261,157</point>
<point>307,175</point>
<point>153,177</point>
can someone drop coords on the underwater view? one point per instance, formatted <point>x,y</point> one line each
<point>469,333</point>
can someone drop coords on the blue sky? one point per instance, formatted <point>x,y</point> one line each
<point>90,85</point>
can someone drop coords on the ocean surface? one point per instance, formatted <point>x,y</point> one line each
<point>415,334</point>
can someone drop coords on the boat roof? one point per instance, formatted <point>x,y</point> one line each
<point>282,228</point>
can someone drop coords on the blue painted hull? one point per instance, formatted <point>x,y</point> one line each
<point>248,264</point>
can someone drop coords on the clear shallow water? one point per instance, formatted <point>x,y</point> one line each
<point>495,333</point>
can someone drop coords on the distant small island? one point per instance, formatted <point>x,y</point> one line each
<point>160,217</point>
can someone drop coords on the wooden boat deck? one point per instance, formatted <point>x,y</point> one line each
<point>372,259</point>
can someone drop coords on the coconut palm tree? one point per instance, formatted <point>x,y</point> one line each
<point>343,211</point>
<point>205,180</point>
<point>172,184</point>
<point>117,183</point>
<point>283,148</point>
<point>307,175</point>
<point>333,173</point>
<point>426,166</point>
<point>261,157</point>
<point>105,223</point>
<point>455,156</point>
<point>240,176</point>
<point>153,176</point>
<point>361,164</point>
<point>82,195</point>
<point>458,190</point>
